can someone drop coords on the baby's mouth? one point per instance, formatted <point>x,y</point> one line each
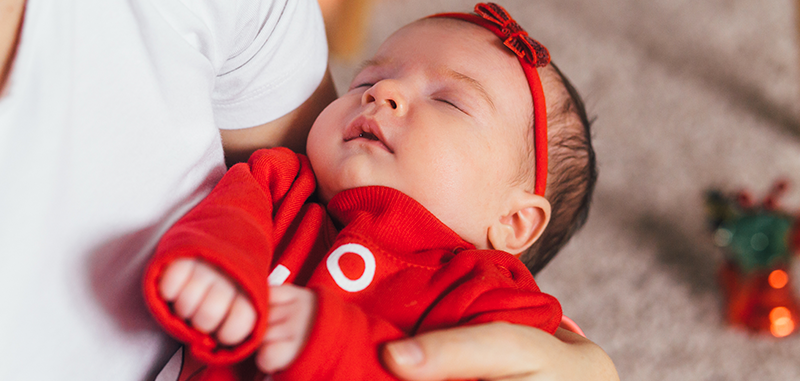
<point>363,128</point>
<point>368,136</point>
<point>371,137</point>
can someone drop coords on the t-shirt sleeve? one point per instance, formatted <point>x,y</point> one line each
<point>277,56</point>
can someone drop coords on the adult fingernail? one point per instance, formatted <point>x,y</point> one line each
<point>406,352</point>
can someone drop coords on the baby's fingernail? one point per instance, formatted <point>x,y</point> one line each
<point>406,352</point>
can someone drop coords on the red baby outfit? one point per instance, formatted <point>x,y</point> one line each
<point>394,270</point>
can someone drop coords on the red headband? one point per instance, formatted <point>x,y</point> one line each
<point>531,54</point>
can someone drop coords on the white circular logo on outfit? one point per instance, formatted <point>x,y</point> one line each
<point>344,282</point>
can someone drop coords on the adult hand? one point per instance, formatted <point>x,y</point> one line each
<point>498,351</point>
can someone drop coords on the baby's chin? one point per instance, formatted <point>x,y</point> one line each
<point>326,193</point>
<point>349,176</point>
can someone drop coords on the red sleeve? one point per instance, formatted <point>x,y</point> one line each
<point>235,228</point>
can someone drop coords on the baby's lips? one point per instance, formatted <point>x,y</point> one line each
<point>367,128</point>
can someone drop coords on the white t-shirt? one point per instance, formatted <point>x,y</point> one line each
<point>108,133</point>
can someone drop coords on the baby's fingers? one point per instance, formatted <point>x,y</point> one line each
<point>275,356</point>
<point>214,306</point>
<point>290,319</point>
<point>175,277</point>
<point>195,290</point>
<point>240,322</point>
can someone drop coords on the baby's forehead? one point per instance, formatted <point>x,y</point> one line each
<point>460,28</point>
<point>475,51</point>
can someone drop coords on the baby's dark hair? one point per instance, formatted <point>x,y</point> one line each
<point>572,170</point>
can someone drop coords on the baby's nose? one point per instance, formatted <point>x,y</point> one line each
<point>386,93</point>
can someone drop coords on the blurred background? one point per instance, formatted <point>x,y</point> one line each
<point>687,96</point>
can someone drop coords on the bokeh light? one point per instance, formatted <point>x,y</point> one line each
<point>778,279</point>
<point>781,323</point>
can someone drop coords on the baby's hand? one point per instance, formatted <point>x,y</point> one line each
<point>208,300</point>
<point>291,313</point>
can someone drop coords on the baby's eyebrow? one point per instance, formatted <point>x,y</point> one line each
<point>471,82</point>
<point>372,62</point>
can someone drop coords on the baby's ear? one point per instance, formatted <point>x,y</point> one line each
<point>516,230</point>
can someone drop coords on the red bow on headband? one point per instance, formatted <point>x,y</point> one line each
<point>516,38</point>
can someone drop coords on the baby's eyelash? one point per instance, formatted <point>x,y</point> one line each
<point>445,101</point>
<point>365,85</point>
<point>449,103</point>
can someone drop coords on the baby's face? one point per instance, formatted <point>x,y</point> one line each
<point>440,113</point>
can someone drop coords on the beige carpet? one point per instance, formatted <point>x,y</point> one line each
<point>687,95</point>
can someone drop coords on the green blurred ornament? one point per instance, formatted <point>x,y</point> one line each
<point>756,241</point>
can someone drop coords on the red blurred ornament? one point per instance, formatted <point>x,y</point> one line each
<point>759,240</point>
